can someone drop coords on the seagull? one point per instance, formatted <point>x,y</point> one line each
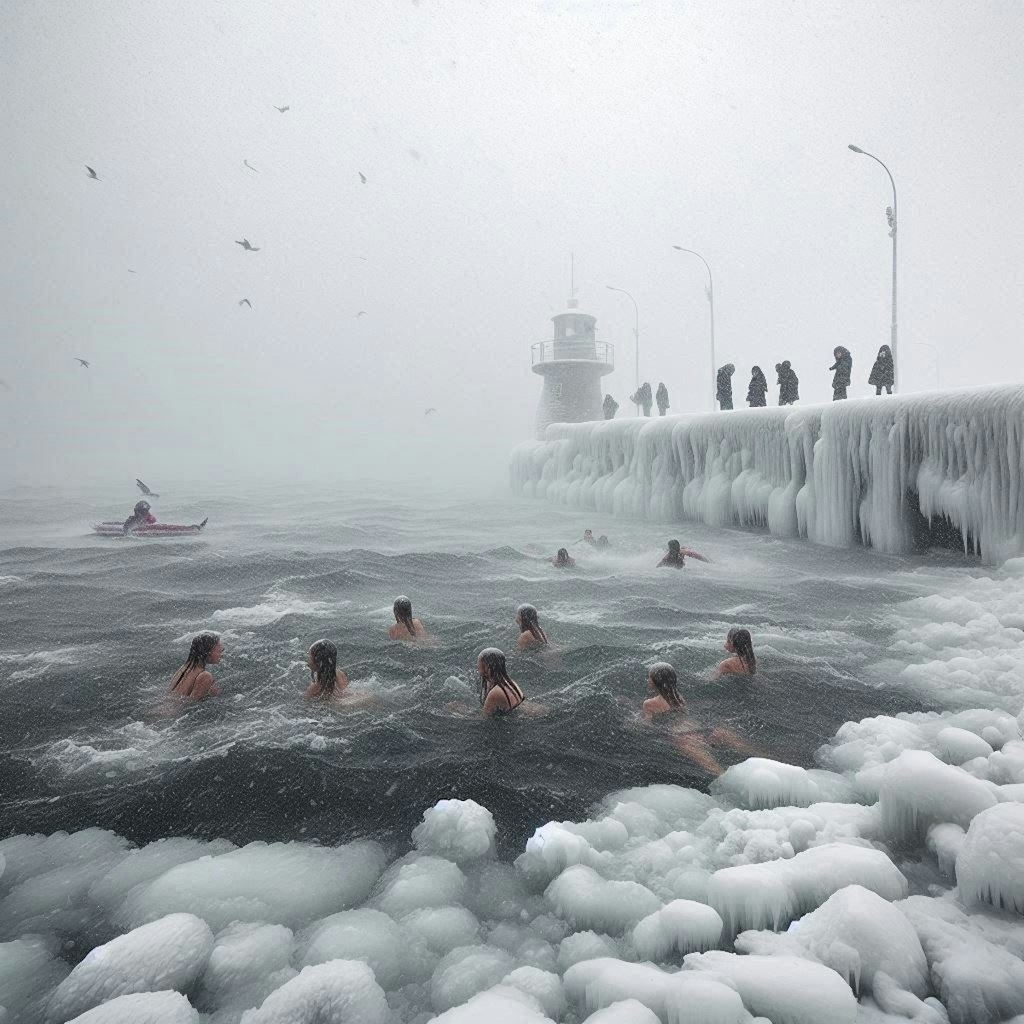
<point>361,312</point>
<point>281,109</point>
<point>244,243</point>
<point>145,490</point>
<point>250,166</point>
<point>245,302</point>
<point>362,177</point>
<point>427,412</point>
<point>92,173</point>
<point>84,362</point>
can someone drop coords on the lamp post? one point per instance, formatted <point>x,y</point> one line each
<point>711,300</point>
<point>892,235</point>
<point>636,335</point>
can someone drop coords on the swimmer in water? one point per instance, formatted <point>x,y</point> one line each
<point>405,627</point>
<point>603,541</point>
<point>141,516</point>
<point>193,680</point>
<point>531,633</point>
<point>588,537</point>
<point>676,556</point>
<point>327,681</point>
<point>741,647</point>
<point>562,560</point>
<point>691,739</point>
<point>499,692</point>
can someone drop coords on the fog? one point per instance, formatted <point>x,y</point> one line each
<point>495,140</point>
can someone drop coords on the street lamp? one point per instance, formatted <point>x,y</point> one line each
<point>892,234</point>
<point>636,334</point>
<point>711,300</point>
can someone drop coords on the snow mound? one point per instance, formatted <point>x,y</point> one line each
<point>466,971</point>
<point>785,989</point>
<point>169,953</point>
<point>459,830</point>
<point>441,929</point>
<point>338,992</point>
<point>990,865</point>
<point>682,926</point>
<point>29,972</point>
<point>585,946</point>
<point>958,745</point>
<point>418,881</point>
<point>544,986</point>
<point>625,1011</point>
<point>500,1005</point>
<point>760,782</point>
<point>142,1008</point>
<point>945,842</point>
<point>586,900</point>
<point>248,962</point>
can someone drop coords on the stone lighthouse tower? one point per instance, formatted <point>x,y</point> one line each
<point>572,364</point>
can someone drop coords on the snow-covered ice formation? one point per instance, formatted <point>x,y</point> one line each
<point>834,474</point>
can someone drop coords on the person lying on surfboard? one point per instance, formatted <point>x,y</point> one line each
<point>141,516</point>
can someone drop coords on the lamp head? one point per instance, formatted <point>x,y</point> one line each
<point>856,149</point>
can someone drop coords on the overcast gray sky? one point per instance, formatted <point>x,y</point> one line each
<point>495,138</point>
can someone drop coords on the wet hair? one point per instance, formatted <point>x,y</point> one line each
<point>663,675</point>
<point>673,551</point>
<point>530,623</point>
<point>496,674</point>
<point>740,639</point>
<point>403,614</point>
<point>325,658</point>
<point>563,556</point>
<point>198,653</point>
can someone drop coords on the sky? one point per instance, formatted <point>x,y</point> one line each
<point>496,140</point>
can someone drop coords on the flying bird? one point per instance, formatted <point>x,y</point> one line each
<point>361,312</point>
<point>92,173</point>
<point>281,109</point>
<point>362,177</point>
<point>145,490</point>
<point>84,362</point>
<point>245,302</point>
<point>250,166</point>
<point>244,243</point>
<point>427,412</point>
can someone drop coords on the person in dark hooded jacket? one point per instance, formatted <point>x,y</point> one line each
<point>882,373</point>
<point>758,389</point>
<point>610,407</point>
<point>661,397</point>
<point>724,391</point>
<point>789,383</point>
<point>843,367</point>
<point>646,397</point>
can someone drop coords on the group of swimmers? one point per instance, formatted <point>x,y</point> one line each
<point>499,694</point>
<point>674,558</point>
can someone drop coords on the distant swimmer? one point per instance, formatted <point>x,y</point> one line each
<point>429,412</point>
<point>247,245</point>
<point>603,541</point>
<point>92,173</point>
<point>562,560</point>
<point>499,692</point>
<point>531,632</point>
<point>405,627</point>
<point>327,681</point>
<point>282,110</point>
<point>245,302</point>
<point>250,166</point>
<point>145,490</point>
<point>676,556</point>
<point>141,516</point>
<point>192,680</point>
<point>588,538</point>
<point>742,663</point>
<point>84,362</point>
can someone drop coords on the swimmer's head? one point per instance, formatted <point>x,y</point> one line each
<point>663,680</point>
<point>526,616</point>
<point>588,534</point>
<point>563,556</point>
<point>205,649</point>
<point>403,614</point>
<point>141,507</point>
<point>323,664</point>
<point>490,663</point>
<point>673,548</point>
<point>739,642</point>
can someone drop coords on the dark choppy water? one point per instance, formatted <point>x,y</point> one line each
<point>92,629</point>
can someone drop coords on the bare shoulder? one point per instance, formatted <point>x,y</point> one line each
<point>203,686</point>
<point>393,632</point>
<point>419,627</point>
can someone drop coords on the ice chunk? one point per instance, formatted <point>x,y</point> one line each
<point>501,1005</point>
<point>625,1011</point>
<point>543,986</point>
<point>460,830</point>
<point>586,900</point>
<point>990,866</point>
<point>760,782</point>
<point>142,1008</point>
<point>585,946</point>
<point>247,963</point>
<point>28,856</point>
<point>680,927</point>
<point>464,972</point>
<point>441,929</point>
<point>674,808</point>
<point>169,953</point>
<point>339,992</point>
<point>29,972</point>
<point>558,845</point>
<point>368,935</point>
<point>276,883</point>
<point>945,841</point>
<point>958,745</point>
<point>418,881</point>
<point>785,989</point>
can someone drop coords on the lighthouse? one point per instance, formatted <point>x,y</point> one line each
<point>572,364</point>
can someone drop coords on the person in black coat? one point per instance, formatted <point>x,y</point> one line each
<point>758,389</point>
<point>789,383</point>
<point>661,397</point>
<point>844,368</point>
<point>610,407</point>
<point>646,397</point>
<point>724,392</point>
<point>882,373</point>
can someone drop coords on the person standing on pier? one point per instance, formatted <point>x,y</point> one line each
<point>610,407</point>
<point>882,372</point>
<point>662,398</point>
<point>844,369</point>
<point>758,389</point>
<point>724,392</point>
<point>789,383</point>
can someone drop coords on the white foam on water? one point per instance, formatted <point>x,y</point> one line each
<point>275,607</point>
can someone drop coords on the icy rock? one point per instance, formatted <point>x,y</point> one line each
<point>625,1011</point>
<point>370,936</point>
<point>418,881</point>
<point>585,946</point>
<point>142,1008</point>
<point>586,900</point>
<point>680,927</point>
<point>459,830</point>
<point>247,963</point>
<point>760,782</point>
<point>441,929</point>
<point>338,992</point>
<point>543,986</point>
<point>958,745</point>
<point>990,865</point>
<point>1006,766</point>
<point>785,989</point>
<point>918,790</point>
<point>497,891</point>
<point>560,844</point>
<point>671,808</point>
<point>944,842</point>
<point>276,883</point>
<point>28,856</point>
<point>893,999</point>
<point>501,1005</point>
<point>464,972</point>
<point>29,972</point>
<point>169,953</point>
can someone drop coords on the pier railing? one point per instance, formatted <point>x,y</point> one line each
<point>573,348</point>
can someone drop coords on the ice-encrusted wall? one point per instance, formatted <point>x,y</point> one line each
<point>834,474</point>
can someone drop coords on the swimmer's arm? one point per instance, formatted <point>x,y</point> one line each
<point>496,701</point>
<point>649,709</point>
<point>729,667</point>
<point>695,554</point>
<point>203,687</point>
